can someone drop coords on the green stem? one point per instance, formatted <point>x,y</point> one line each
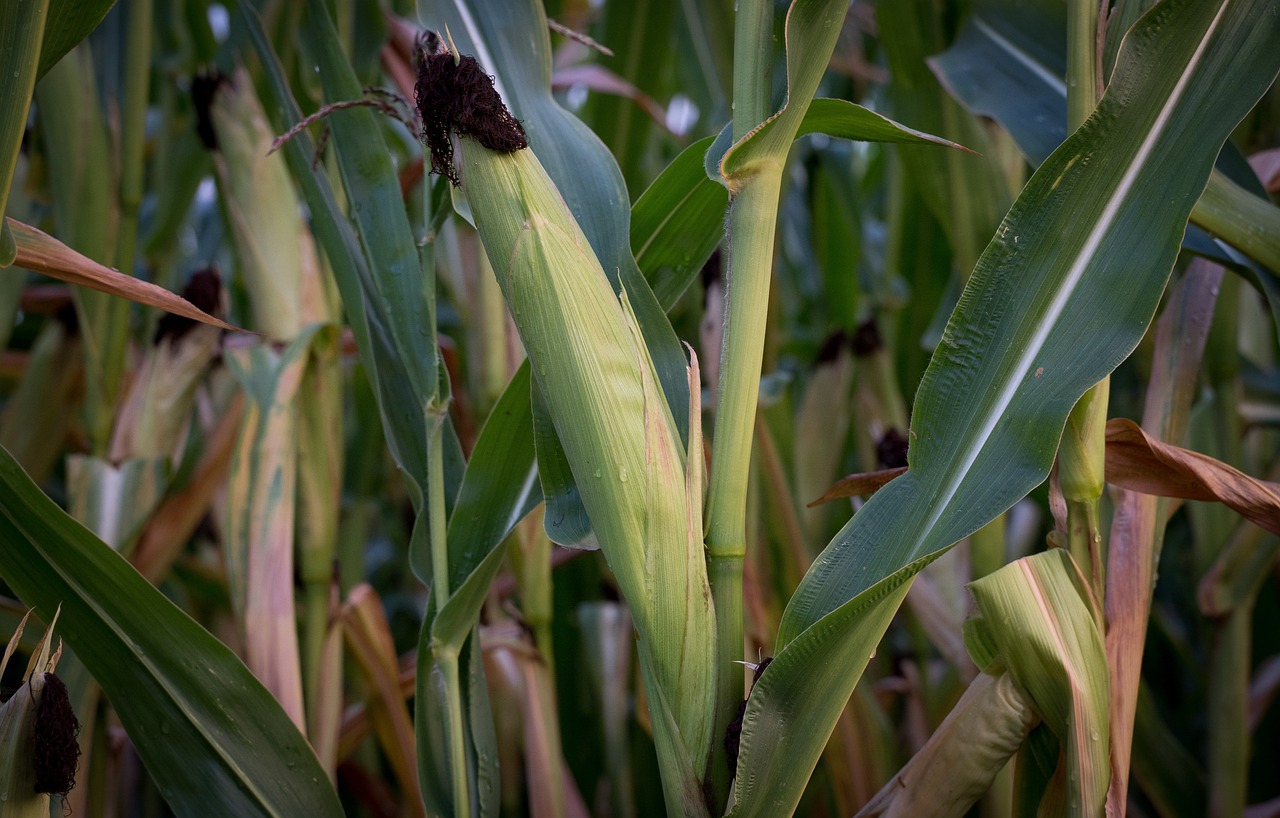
<point>752,221</point>
<point>448,661</point>
<point>752,59</point>
<point>436,520</point>
<point>1247,222</point>
<point>1083,450</point>
<point>751,230</point>
<point>21,35</point>
<point>1228,703</point>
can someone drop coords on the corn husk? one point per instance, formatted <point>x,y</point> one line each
<point>609,413</point>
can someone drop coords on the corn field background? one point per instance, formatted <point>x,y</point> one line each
<point>634,408</point>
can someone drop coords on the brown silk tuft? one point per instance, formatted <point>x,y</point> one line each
<point>56,752</point>
<point>458,97</point>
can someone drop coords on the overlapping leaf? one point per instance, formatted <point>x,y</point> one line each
<point>207,730</point>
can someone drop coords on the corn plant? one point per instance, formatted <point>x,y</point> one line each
<point>617,409</point>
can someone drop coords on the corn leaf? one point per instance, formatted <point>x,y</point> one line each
<point>1009,63</point>
<point>1139,462</point>
<point>385,302</point>
<point>1059,298</point>
<point>207,730</point>
<point>21,28</point>
<point>69,22</point>
<point>675,224</point>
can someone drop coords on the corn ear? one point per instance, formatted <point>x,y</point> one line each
<point>274,246</point>
<point>34,721</point>
<point>1037,615</point>
<point>963,756</point>
<point>608,410</point>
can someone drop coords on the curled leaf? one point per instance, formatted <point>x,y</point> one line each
<point>42,253</point>
<point>1138,462</point>
<point>859,484</point>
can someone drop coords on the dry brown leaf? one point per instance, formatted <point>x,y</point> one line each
<point>42,253</point>
<point>859,484</point>
<point>1138,462</point>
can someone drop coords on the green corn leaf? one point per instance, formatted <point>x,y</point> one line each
<point>1009,61</point>
<point>207,730</point>
<point>1020,357</point>
<point>486,510</point>
<point>1060,297</point>
<point>398,303</point>
<point>21,26</point>
<point>69,22</point>
<point>399,395</point>
<point>676,224</point>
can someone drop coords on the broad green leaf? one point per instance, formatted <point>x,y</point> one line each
<point>1035,612</point>
<point>1046,315</point>
<point>207,730</point>
<point>1059,298</point>
<point>677,223</point>
<point>398,302</point>
<point>368,289</point>
<point>1009,61</point>
<point>487,509</point>
<point>793,706</point>
<point>69,22</point>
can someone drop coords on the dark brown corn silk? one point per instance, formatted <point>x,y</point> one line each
<point>204,87</point>
<point>891,449</point>
<point>204,290</point>
<point>733,731</point>
<point>55,752</point>
<point>456,96</point>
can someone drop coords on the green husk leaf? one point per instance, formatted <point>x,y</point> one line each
<point>1048,636</point>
